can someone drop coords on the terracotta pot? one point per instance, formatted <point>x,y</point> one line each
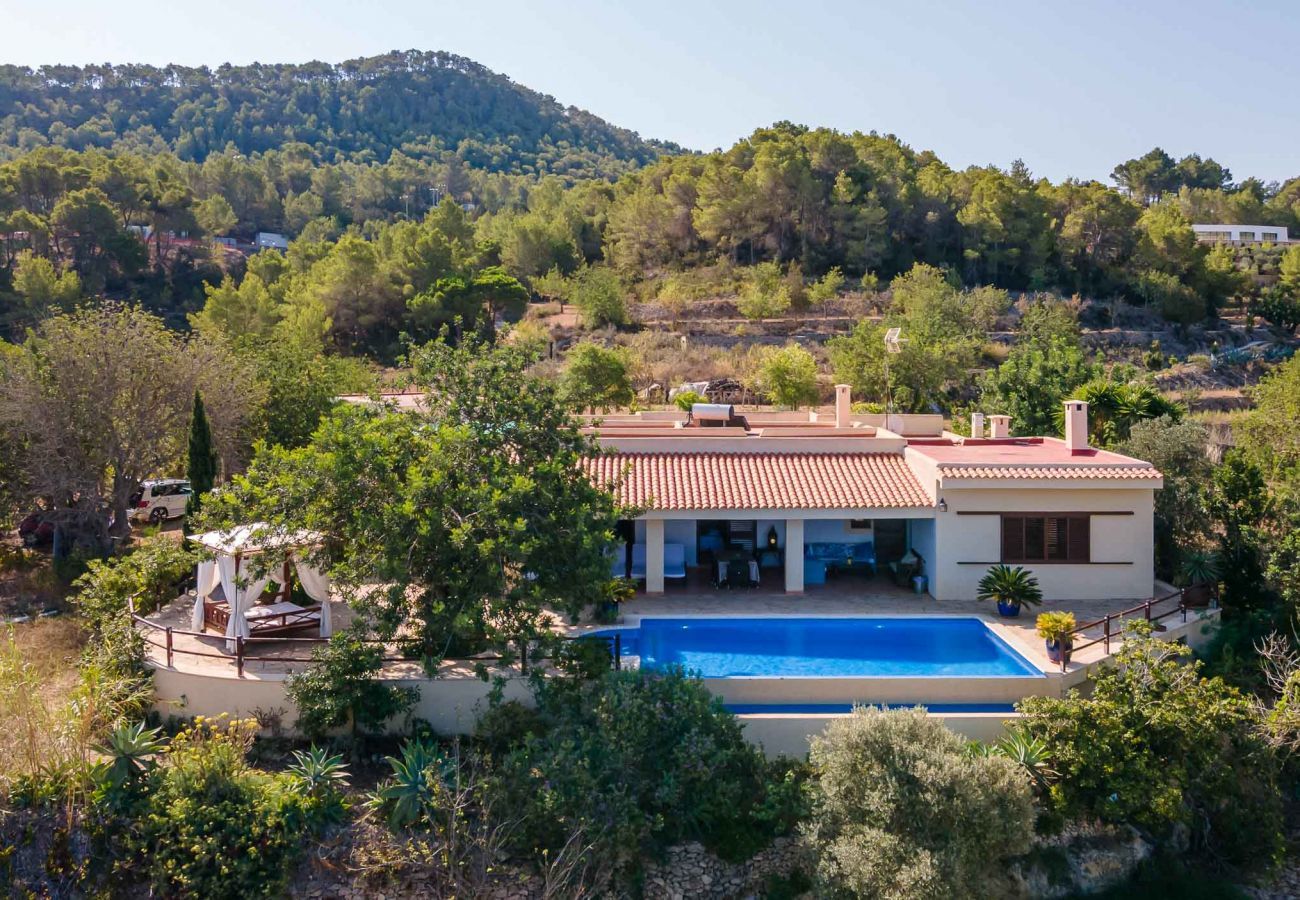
<point>1197,596</point>
<point>1059,651</point>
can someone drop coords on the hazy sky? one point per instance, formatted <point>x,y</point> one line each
<point>1071,88</point>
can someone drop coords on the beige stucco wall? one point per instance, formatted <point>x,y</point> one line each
<point>791,735</point>
<point>451,705</point>
<point>1122,545</point>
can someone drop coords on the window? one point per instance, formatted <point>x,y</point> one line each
<point>1268,236</point>
<point>858,526</point>
<point>1063,538</point>
<point>1246,236</point>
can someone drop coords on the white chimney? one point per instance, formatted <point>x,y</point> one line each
<point>1076,425</point>
<point>977,425</point>
<point>843,407</point>
<point>999,427</point>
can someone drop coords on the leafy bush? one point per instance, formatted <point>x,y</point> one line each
<point>787,375</point>
<point>635,761</point>
<point>341,688</point>
<point>151,573</point>
<point>686,399</point>
<point>211,826</point>
<point>1158,746</point>
<point>599,295</point>
<point>507,725</point>
<point>827,287</point>
<point>901,809</point>
<point>765,293</point>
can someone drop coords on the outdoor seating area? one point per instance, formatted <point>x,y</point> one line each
<point>232,588</point>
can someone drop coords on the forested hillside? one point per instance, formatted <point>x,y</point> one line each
<point>422,104</point>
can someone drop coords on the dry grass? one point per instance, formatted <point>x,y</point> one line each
<point>51,648</point>
<point>47,716</point>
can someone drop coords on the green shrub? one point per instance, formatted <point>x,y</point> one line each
<point>686,399</point>
<point>1160,747</point>
<point>903,810</point>
<point>827,287</point>
<point>506,725</point>
<point>635,761</point>
<point>211,826</point>
<point>599,296</point>
<point>151,573</point>
<point>340,688</point>
<point>765,294</point>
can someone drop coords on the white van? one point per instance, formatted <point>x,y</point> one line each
<point>159,500</point>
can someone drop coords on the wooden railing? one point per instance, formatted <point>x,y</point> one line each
<point>163,637</point>
<point>1177,606</point>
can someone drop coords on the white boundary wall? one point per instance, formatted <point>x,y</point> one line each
<point>452,704</point>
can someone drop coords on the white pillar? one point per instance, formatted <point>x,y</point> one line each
<point>794,556</point>
<point>654,556</point>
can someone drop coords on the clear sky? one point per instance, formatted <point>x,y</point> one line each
<point>1071,88</point>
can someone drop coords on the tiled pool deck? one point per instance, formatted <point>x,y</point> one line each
<point>850,595</point>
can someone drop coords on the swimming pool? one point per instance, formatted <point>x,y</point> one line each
<point>823,647</point>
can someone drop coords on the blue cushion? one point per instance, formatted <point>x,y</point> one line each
<point>814,572</point>
<point>840,551</point>
<point>674,561</point>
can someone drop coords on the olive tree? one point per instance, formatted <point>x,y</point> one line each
<point>99,399</point>
<point>903,809</point>
<point>452,527</point>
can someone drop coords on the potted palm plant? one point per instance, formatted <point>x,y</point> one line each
<point>1057,629</point>
<point>1011,587</point>
<point>1197,576</point>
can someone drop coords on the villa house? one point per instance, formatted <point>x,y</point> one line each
<point>787,499</point>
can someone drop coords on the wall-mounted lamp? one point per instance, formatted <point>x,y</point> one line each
<point>943,505</point>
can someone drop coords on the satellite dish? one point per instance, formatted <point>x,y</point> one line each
<point>894,340</point>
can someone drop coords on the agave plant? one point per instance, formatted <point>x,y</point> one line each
<point>317,773</point>
<point>1030,753</point>
<point>412,791</point>
<point>1200,567</point>
<point>1011,587</point>
<point>130,750</point>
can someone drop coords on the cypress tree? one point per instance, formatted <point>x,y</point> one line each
<point>202,468</point>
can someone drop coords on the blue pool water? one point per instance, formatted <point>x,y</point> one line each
<point>825,647</point>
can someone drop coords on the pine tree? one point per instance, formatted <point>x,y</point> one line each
<point>202,468</point>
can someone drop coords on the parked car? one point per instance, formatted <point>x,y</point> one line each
<point>36,529</point>
<point>159,500</point>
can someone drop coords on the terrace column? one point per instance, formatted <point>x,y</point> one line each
<point>654,556</point>
<point>794,556</point>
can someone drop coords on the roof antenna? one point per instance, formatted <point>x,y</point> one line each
<point>893,344</point>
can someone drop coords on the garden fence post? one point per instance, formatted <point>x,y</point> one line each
<point>169,646</point>
<point>239,656</point>
<point>618,652</point>
<point>523,656</point>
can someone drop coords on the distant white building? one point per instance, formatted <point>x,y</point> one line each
<point>1241,234</point>
<point>270,240</point>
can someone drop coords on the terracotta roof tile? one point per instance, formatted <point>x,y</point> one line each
<point>683,481</point>
<point>1050,472</point>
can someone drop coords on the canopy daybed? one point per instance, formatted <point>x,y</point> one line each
<point>231,584</point>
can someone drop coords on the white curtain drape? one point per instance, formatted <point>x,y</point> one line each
<point>239,599</point>
<point>206,582</point>
<point>317,586</point>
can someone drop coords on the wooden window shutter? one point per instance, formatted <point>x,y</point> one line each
<point>1057,526</point>
<point>1080,546</point>
<point>1013,538</point>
